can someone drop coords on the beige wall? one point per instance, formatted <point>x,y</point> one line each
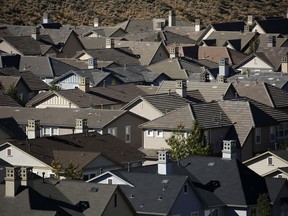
<point>257,64</point>
<point>146,110</point>
<point>56,101</point>
<point>122,207</point>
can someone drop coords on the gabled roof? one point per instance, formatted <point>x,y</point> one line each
<point>278,25</point>
<point>208,115</point>
<point>280,154</point>
<point>26,45</point>
<point>279,40</point>
<point>10,81</point>
<point>229,26</point>
<point>75,96</point>
<point>146,50</point>
<point>63,117</point>
<point>44,148</point>
<point>45,66</point>
<point>249,58</point>
<point>263,93</point>
<point>210,91</point>
<point>239,186</point>
<point>275,186</point>
<point>6,100</point>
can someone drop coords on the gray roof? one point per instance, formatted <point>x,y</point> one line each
<point>209,91</point>
<point>208,115</point>
<point>6,100</point>
<point>66,117</point>
<point>275,186</point>
<point>10,126</point>
<point>93,43</point>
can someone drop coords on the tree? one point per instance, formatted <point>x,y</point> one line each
<point>263,205</point>
<point>12,92</point>
<point>71,171</point>
<point>193,144</point>
<point>57,167</point>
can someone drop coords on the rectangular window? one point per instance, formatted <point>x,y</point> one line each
<point>160,133</point>
<point>9,152</point>
<point>128,134</point>
<point>258,135</point>
<point>280,131</point>
<point>272,134</point>
<point>270,161</point>
<point>150,133</point>
<point>55,131</point>
<point>47,131</point>
<point>112,131</point>
<point>279,176</point>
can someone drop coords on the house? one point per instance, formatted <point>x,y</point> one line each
<point>105,32</point>
<point>26,195</point>
<point>270,163</point>
<point>91,152</point>
<point>271,26</point>
<point>266,59</point>
<point>64,121</point>
<point>45,67</point>
<point>274,40</point>
<point>97,78</point>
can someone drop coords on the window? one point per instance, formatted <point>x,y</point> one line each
<point>128,134</point>
<point>280,131</point>
<point>109,181</point>
<point>160,133</point>
<point>112,131</point>
<point>9,152</point>
<point>55,131</point>
<point>185,189</point>
<point>150,133</point>
<point>272,134</point>
<point>270,161</point>
<point>279,176</point>
<point>258,135</point>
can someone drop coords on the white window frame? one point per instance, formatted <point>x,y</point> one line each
<point>112,131</point>
<point>258,135</point>
<point>48,132</point>
<point>160,133</point>
<point>270,161</point>
<point>150,133</point>
<point>128,134</point>
<point>54,131</point>
<point>280,176</point>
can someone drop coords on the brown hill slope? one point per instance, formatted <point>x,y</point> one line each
<point>81,12</point>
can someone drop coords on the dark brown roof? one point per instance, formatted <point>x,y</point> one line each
<point>44,148</point>
<point>6,100</point>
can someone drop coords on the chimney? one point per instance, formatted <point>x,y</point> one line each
<point>250,20</point>
<point>26,175</point>
<point>46,18</point>
<point>110,43</point>
<point>36,33</point>
<point>84,84</point>
<point>197,25</point>
<point>96,22</point>
<point>246,28</point>
<point>12,181</point>
<point>284,64</point>
<point>33,129</point>
<point>81,126</point>
<point>174,52</point>
<point>271,40</point>
<point>164,163</point>
<point>181,88</point>
<point>171,18</point>
<point>229,150</point>
<point>223,67</point>
<point>92,63</point>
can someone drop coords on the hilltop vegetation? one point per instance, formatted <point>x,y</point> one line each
<point>82,12</point>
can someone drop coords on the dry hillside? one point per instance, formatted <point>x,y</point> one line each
<point>81,12</point>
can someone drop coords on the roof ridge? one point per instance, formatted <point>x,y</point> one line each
<point>268,93</point>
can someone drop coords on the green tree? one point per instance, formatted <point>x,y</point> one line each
<point>263,205</point>
<point>12,92</point>
<point>193,144</point>
<point>57,167</point>
<point>254,45</point>
<point>71,171</point>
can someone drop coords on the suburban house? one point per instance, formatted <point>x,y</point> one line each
<point>62,121</point>
<point>93,153</point>
<point>27,195</point>
<point>269,26</point>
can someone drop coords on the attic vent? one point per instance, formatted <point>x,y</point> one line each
<point>94,189</point>
<point>160,198</point>
<point>211,164</point>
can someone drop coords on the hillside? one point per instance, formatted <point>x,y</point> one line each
<point>81,12</point>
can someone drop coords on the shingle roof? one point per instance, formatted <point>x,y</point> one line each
<point>9,81</point>
<point>44,148</point>
<point>275,186</point>
<point>263,93</point>
<point>6,100</point>
<point>65,117</point>
<point>10,126</point>
<point>208,115</point>
<point>274,25</point>
<point>229,26</point>
<point>239,186</point>
<point>25,44</point>
<point>274,54</point>
<point>209,91</point>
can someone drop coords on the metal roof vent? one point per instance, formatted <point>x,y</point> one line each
<point>165,183</point>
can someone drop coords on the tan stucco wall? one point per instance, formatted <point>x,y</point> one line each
<point>146,110</point>
<point>4,46</point>
<point>56,101</point>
